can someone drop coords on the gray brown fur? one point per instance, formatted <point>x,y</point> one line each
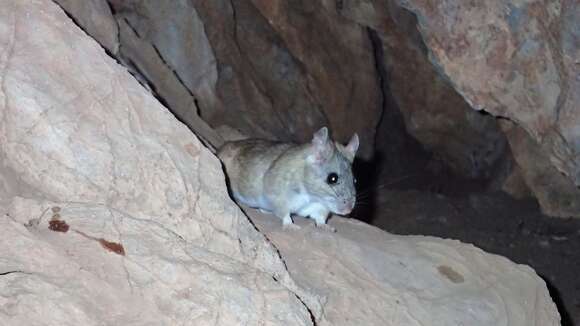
<point>286,178</point>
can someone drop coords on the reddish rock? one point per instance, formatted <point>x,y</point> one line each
<point>556,193</point>
<point>514,60</point>
<point>435,114</point>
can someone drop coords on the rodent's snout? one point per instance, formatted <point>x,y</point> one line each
<point>347,205</point>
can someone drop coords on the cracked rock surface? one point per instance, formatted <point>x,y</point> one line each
<point>370,277</point>
<point>144,232</point>
<point>113,213</point>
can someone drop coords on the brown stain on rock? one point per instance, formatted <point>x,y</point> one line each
<point>450,274</point>
<point>108,245</point>
<point>57,225</point>
<point>112,246</point>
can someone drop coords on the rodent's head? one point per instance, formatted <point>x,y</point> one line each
<point>328,172</point>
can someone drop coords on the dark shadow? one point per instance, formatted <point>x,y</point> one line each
<point>365,173</point>
<point>557,298</point>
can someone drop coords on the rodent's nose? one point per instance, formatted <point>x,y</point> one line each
<point>349,203</point>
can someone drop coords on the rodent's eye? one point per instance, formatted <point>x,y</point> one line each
<point>354,179</point>
<point>332,178</point>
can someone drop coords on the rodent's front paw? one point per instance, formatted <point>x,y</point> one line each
<point>326,227</point>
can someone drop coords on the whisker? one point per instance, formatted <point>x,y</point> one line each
<point>383,185</point>
<point>365,191</point>
<point>366,196</point>
<point>363,205</point>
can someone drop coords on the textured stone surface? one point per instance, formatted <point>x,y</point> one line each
<point>435,114</point>
<point>78,132</point>
<point>370,277</point>
<point>249,65</point>
<point>513,59</point>
<point>277,69</point>
<point>111,268</point>
<point>112,212</point>
<point>556,193</point>
<point>96,19</point>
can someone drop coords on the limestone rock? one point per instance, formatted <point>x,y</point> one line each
<point>517,60</point>
<point>113,213</point>
<point>263,68</point>
<point>79,263</point>
<point>435,114</point>
<point>370,277</point>
<point>144,232</point>
<point>556,194</point>
<point>96,18</point>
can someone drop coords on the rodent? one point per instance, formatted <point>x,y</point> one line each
<point>310,180</point>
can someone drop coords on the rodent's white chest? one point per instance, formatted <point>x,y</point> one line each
<point>304,205</point>
<point>298,201</point>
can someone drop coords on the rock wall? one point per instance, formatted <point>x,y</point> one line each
<point>112,212</point>
<point>517,60</point>
<point>245,65</point>
<point>435,114</point>
<point>275,69</point>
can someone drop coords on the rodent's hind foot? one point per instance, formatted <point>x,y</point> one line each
<point>326,227</point>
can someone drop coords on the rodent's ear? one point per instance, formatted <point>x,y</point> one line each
<point>352,147</point>
<point>321,136</point>
<point>322,148</point>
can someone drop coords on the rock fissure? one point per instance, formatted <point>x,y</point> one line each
<point>12,272</point>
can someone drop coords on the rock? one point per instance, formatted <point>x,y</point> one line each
<point>174,38</point>
<point>114,213</point>
<point>102,266</point>
<point>556,193</point>
<point>118,215</point>
<point>96,18</point>
<point>415,280</point>
<point>513,60</point>
<point>515,185</point>
<point>274,69</point>
<point>273,84</point>
<point>436,115</point>
<point>338,63</point>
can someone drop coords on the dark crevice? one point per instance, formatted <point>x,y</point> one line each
<point>156,49</point>
<point>312,319</point>
<point>398,157</point>
<point>133,29</point>
<point>10,272</point>
<point>118,37</point>
<point>165,63</point>
<point>378,56</point>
